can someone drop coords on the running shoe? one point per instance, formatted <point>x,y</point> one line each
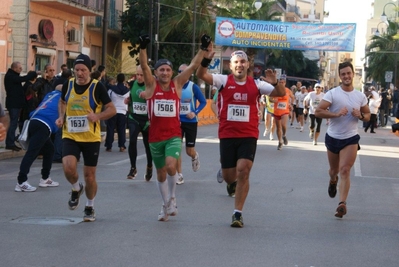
<point>171,209</point>
<point>89,214</point>
<point>24,187</point>
<point>301,129</point>
<point>332,188</point>
<point>219,176</point>
<point>48,183</point>
<point>73,202</point>
<point>285,140</point>
<point>311,134</point>
<point>314,142</point>
<point>163,214</point>
<point>231,189</point>
<point>148,174</point>
<point>271,136</point>
<point>265,132</point>
<point>132,174</point>
<point>237,220</point>
<point>279,146</point>
<point>195,163</point>
<point>341,210</point>
<point>180,179</point>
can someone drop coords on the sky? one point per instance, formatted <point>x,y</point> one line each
<point>351,11</point>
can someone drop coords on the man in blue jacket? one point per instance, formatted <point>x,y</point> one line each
<point>41,126</point>
<point>192,101</point>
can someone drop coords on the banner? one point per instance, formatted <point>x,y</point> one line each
<point>285,35</point>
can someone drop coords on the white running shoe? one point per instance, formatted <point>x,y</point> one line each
<point>25,187</point>
<point>180,180</point>
<point>301,130</point>
<point>195,162</point>
<point>163,215</point>
<point>311,134</point>
<point>265,132</point>
<point>314,143</point>
<point>271,136</point>
<point>48,183</point>
<point>219,176</point>
<point>172,207</point>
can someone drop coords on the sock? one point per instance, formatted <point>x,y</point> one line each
<point>172,184</point>
<point>76,186</point>
<point>90,202</point>
<point>239,211</point>
<point>163,189</point>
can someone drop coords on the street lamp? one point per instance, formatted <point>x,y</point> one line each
<point>258,4</point>
<point>377,32</point>
<point>384,17</point>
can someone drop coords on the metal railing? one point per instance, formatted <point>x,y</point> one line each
<point>114,22</point>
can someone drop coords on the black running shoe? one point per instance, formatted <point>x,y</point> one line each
<point>73,202</point>
<point>132,174</point>
<point>148,174</point>
<point>89,214</point>
<point>237,220</point>
<point>332,188</point>
<point>231,189</point>
<point>279,146</point>
<point>341,210</point>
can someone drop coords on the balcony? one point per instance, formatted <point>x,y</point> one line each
<point>114,23</point>
<point>293,14</point>
<point>76,7</point>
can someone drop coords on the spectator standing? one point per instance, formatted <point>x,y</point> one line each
<point>44,84</point>
<point>374,104</point>
<point>15,100</point>
<point>117,93</point>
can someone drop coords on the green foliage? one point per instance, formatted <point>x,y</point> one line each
<point>382,54</point>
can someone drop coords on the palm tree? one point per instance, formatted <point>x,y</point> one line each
<point>380,53</point>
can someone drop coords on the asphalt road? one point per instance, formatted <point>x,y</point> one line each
<point>289,217</point>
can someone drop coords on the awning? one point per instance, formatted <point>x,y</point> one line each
<point>72,55</point>
<point>44,51</point>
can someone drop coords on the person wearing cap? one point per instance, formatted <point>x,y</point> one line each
<point>238,105</point>
<point>81,104</point>
<point>163,95</point>
<point>192,101</point>
<point>282,109</point>
<point>299,106</point>
<point>311,101</point>
<point>294,113</point>
<point>345,106</point>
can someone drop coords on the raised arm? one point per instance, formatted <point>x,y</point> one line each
<point>202,71</point>
<point>149,79</point>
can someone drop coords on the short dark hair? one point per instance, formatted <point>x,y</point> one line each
<point>93,63</point>
<point>95,74</point>
<point>120,77</point>
<point>344,65</point>
<point>66,73</point>
<point>34,74</point>
<point>101,68</point>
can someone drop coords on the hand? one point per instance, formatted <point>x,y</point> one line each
<point>205,41</point>
<point>144,40</point>
<point>92,117</point>
<point>271,76</point>
<point>343,111</point>
<point>356,113</point>
<point>3,132</point>
<point>59,122</point>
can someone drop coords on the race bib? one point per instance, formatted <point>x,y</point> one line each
<point>281,105</point>
<point>184,108</point>
<point>139,108</point>
<point>315,103</point>
<point>238,113</point>
<point>78,124</point>
<point>164,108</point>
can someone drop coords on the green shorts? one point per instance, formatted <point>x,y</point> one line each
<point>168,148</point>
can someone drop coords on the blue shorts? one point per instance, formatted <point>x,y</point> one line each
<point>336,145</point>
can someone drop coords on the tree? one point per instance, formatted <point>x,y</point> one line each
<point>380,54</point>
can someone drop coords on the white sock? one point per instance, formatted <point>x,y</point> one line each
<point>90,202</point>
<point>76,186</point>
<point>163,189</point>
<point>237,211</point>
<point>172,184</point>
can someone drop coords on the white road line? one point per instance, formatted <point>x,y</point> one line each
<point>358,169</point>
<point>123,162</point>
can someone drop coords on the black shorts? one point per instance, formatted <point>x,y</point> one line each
<point>89,150</point>
<point>336,145</point>
<point>299,111</point>
<point>233,149</point>
<point>189,130</point>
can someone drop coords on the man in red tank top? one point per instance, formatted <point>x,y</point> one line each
<point>163,101</point>
<point>238,103</point>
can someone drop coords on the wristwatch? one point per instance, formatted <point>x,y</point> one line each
<point>275,84</point>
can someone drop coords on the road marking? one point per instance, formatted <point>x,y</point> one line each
<point>125,161</point>
<point>358,169</point>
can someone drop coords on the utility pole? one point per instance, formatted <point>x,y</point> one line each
<point>104,37</point>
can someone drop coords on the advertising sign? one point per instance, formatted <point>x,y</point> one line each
<point>285,35</point>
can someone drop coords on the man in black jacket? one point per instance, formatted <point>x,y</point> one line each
<point>44,84</point>
<point>15,99</point>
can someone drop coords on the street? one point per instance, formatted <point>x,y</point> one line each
<point>288,216</point>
